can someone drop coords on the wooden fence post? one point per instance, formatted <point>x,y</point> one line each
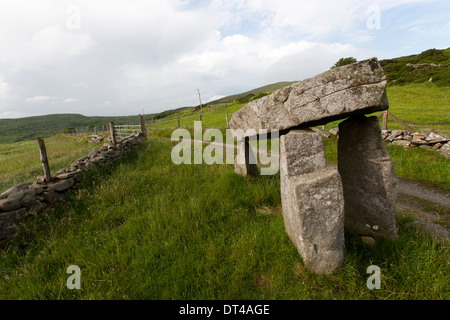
<point>143,129</point>
<point>201,122</point>
<point>385,119</point>
<point>228,122</point>
<point>112,132</point>
<point>178,122</point>
<point>156,124</point>
<point>44,159</point>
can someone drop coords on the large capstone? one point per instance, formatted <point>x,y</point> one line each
<point>357,88</point>
<point>367,172</point>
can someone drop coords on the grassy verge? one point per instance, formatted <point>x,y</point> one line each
<point>148,229</point>
<point>20,161</point>
<point>427,166</point>
<point>421,106</point>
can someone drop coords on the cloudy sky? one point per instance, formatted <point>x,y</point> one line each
<point>111,57</point>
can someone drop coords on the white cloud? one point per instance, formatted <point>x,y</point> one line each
<point>4,89</point>
<point>48,46</point>
<point>104,104</point>
<point>70,100</point>
<point>40,99</point>
<point>126,54</point>
<point>11,114</point>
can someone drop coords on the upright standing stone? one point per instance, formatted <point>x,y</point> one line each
<point>245,161</point>
<point>312,201</point>
<point>367,172</point>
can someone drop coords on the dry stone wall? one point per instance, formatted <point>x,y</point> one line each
<point>26,199</point>
<point>426,139</point>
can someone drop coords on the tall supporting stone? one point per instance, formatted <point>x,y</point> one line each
<point>367,172</point>
<point>312,201</point>
<point>245,161</point>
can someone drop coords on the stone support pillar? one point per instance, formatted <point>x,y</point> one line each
<point>312,201</point>
<point>367,172</point>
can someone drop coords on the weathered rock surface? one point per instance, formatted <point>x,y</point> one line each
<point>426,139</point>
<point>357,88</point>
<point>445,150</point>
<point>312,201</point>
<point>303,152</point>
<point>370,185</point>
<point>62,185</point>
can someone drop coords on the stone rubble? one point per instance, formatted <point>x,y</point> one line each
<point>426,139</point>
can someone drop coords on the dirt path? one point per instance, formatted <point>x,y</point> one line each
<point>414,188</point>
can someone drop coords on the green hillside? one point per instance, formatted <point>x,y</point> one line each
<point>254,92</point>
<point>431,64</point>
<point>21,129</point>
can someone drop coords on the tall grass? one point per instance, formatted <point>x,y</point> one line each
<point>148,229</point>
<point>422,105</point>
<point>20,161</point>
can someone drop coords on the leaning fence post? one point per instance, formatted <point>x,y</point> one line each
<point>113,132</point>
<point>44,159</point>
<point>143,129</point>
<point>385,119</point>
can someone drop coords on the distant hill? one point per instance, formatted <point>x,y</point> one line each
<point>431,64</point>
<point>14,130</point>
<point>263,89</point>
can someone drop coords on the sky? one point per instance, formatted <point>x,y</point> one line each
<point>111,57</point>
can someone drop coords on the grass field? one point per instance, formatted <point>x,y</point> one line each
<point>149,229</point>
<point>421,106</point>
<point>20,161</point>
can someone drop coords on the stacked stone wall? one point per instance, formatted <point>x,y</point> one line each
<point>33,198</point>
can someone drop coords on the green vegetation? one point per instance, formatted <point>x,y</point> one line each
<point>423,165</point>
<point>21,129</point>
<point>254,92</point>
<point>427,166</point>
<point>20,162</point>
<point>343,61</point>
<point>148,229</point>
<point>421,106</point>
<point>431,64</point>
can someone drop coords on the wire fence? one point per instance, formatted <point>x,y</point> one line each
<point>126,130</point>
